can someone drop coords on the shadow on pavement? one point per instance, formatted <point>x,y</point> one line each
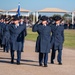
<point>29,64</point>
<point>4,58</point>
<point>1,50</point>
<point>28,60</point>
<point>4,61</point>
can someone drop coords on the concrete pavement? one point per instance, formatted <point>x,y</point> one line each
<point>29,63</point>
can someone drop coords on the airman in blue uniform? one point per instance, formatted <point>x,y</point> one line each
<point>43,39</point>
<point>16,39</point>
<point>24,33</point>
<point>6,36</point>
<point>74,26</point>
<point>57,40</point>
<point>70,26</point>
<point>0,32</point>
<point>2,27</point>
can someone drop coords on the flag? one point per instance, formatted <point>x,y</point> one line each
<point>18,10</point>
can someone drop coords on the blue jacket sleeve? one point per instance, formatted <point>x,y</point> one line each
<point>17,30</point>
<point>25,31</point>
<point>63,35</point>
<point>35,28</point>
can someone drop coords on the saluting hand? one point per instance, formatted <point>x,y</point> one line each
<point>38,22</point>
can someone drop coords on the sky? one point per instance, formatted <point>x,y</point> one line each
<point>35,5</point>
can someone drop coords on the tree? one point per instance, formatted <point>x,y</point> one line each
<point>66,15</point>
<point>56,15</point>
<point>67,18</point>
<point>31,17</point>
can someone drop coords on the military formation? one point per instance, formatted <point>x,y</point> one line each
<point>12,33</point>
<point>50,37</point>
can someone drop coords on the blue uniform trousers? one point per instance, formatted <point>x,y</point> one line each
<point>18,56</point>
<point>59,57</point>
<point>6,48</point>
<point>41,56</point>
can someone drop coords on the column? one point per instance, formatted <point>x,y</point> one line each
<point>73,17</point>
<point>33,17</point>
<point>36,16</point>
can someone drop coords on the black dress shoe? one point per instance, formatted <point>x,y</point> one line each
<point>18,63</point>
<point>22,51</point>
<point>45,65</point>
<point>1,46</point>
<point>60,63</point>
<point>12,61</point>
<point>4,51</point>
<point>52,62</point>
<point>40,65</point>
<point>7,51</point>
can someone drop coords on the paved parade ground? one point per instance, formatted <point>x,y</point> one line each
<point>29,63</point>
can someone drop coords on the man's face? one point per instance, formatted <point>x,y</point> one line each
<point>21,20</point>
<point>16,21</point>
<point>58,22</point>
<point>44,22</point>
<point>2,20</point>
<point>6,21</point>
